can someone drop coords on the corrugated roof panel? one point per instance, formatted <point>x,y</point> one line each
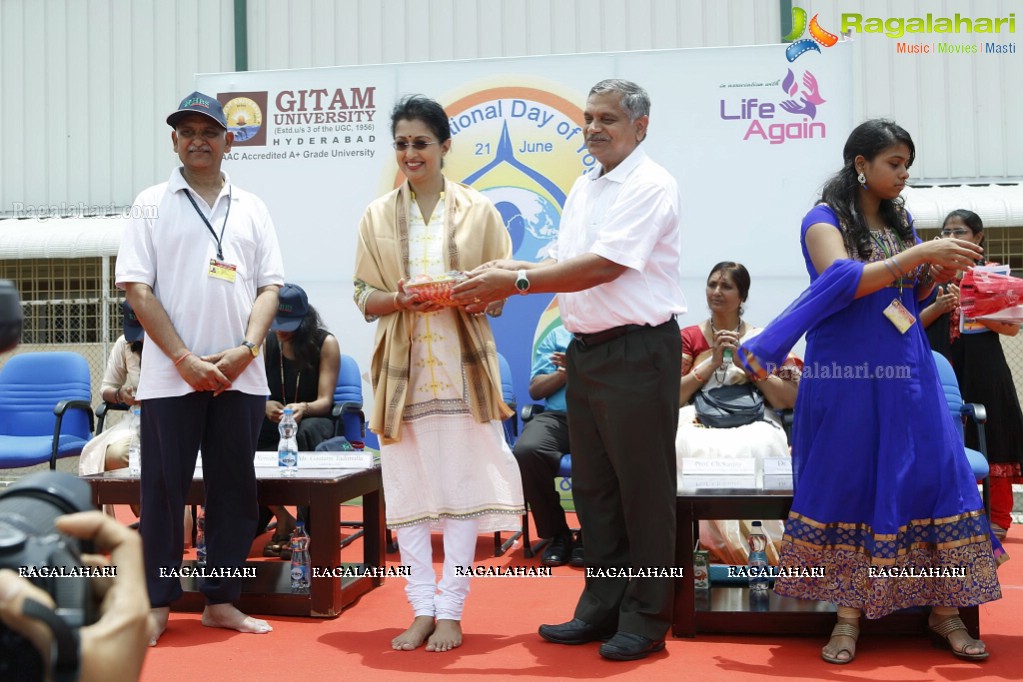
<point>997,205</point>
<point>60,237</point>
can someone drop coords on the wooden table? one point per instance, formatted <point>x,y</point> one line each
<point>730,609</point>
<point>269,592</point>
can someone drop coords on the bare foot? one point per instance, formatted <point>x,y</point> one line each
<point>228,617</point>
<point>158,623</point>
<point>446,636</point>
<point>413,638</point>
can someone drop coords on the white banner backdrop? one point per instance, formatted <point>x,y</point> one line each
<point>750,137</point>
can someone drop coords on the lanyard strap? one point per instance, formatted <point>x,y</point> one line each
<point>219,240</point>
<point>887,254</point>
<point>298,378</point>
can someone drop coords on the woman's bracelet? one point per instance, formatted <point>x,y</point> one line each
<point>182,358</point>
<point>397,305</point>
<point>698,377</point>
<point>891,270</point>
<point>898,267</point>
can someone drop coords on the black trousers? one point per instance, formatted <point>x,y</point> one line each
<point>622,416</point>
<point>173,431</point>
<point>538,451</point>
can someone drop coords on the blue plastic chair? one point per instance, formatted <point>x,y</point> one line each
<point>958,410</point>
<point>45,408</point>
<point>511,425</point>
<point>349,419</point>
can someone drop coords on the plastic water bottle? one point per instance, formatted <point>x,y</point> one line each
<point>300,562</point>
<point>200,536</point>
<point>758,568</point>
<point>135,441</point>
<point>287,449</point>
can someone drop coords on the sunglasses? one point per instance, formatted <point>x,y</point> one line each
<point>207,134</point>
<point>418,145</point>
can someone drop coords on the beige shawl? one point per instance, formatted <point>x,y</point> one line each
<point>474,235</point>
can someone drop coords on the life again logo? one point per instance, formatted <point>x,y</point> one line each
<point>818,36</point>
<point>523,148</point>
<point>804,98</point>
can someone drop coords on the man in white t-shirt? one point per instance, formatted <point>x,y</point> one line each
<point>202,275</point>
<point>617,254</point>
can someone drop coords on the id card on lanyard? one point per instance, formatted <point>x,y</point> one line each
<point>218,268</point>
<point>896,312</point>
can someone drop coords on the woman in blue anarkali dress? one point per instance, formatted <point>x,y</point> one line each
<point>885,501</point>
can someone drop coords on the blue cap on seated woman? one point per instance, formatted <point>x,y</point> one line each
<point>292,307</point>
<point>132,327</point>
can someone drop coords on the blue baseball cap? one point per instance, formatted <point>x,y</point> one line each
<point>132,327</point>
<point>292,307</point>
<point>198,103</point>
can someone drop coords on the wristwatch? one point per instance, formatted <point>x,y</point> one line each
<point>253,348</point>
<point>522,282</point>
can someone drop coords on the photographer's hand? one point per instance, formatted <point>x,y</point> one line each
<point>113,647</point>
<point>14,590</point>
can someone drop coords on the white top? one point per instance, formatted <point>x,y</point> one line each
<point>172,253</point>
<point>629,216</point>
<point>123,366</point>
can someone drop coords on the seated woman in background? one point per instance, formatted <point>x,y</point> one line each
<point>975,352</point>
<point>704,368</point>
<point>302,361</point>
<point>706,365</point>
<point>109,449</point>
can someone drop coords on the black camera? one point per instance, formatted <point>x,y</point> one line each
<point>31,546</point>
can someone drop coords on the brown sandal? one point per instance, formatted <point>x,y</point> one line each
<point>940,636</point>
<point>842,630</point>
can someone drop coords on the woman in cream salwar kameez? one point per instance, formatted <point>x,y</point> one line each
<point>436,383</point>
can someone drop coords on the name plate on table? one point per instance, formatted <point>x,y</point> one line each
<point>719,482</point>
<point>353,459</point>
<point>778,481</point>
<point>738,466</point>
<point>719,474</point>
<point>777,466</point>
<point>777,473</point>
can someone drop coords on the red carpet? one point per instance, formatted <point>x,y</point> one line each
<point>500,623</point>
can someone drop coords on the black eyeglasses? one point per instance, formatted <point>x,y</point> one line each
<point>418,145</point>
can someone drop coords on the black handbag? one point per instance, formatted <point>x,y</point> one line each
<point>726,407</point>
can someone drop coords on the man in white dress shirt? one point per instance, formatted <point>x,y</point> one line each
<point>616,268</point>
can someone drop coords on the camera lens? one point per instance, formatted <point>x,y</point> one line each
<point>33,503</point>
<point>29,540</point>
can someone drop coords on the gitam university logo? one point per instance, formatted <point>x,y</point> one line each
<point>245,117</point>
<point>818,36</point>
